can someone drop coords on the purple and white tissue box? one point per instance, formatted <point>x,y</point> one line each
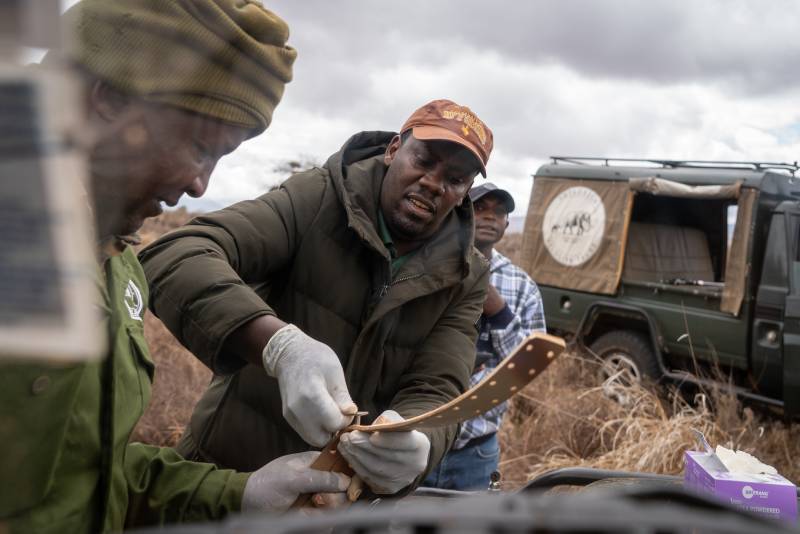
<point>769,495</point>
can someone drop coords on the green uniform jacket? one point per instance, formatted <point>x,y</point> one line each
<point>310,253</point>
<point>65,462</point>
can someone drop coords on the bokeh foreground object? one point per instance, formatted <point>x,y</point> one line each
<point>47,264</point>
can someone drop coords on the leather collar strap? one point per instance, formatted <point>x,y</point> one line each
<point>527,362</point>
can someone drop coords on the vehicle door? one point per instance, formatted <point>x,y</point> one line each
<point>791,316</point>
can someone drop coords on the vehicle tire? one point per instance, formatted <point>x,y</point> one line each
<point>626,351</point>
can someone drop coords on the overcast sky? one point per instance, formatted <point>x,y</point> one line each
<point>692,79</point>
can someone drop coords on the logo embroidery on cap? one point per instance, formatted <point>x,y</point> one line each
<point>133,301</point>
<point>469,120</point>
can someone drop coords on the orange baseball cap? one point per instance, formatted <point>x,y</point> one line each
<point>445,120</point>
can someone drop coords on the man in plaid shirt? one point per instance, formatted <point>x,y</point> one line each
<point>512,310</point>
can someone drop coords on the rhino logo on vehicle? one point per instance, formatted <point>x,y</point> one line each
<point>573,226</point>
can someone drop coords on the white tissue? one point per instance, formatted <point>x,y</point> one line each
<point>741,462</point>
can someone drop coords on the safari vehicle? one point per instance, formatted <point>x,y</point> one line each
<point>661,267</point>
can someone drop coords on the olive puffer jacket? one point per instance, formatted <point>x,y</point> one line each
<point>310,253</point>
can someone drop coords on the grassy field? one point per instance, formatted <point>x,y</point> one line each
<point>565,418</point>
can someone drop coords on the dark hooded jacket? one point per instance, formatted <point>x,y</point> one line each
<point>310,253</point>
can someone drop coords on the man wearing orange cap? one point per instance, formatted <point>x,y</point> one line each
<point>364,268</point>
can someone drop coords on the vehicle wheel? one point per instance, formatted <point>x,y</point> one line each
<point>626,355</point>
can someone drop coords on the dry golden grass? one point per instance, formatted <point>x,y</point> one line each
<point>509,246</point>
<point>565,418</point>
<point>180,378</point>
<point>179,382</point>
<point>155,227</point>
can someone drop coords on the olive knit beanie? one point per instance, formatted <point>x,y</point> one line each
<point>227,59</point>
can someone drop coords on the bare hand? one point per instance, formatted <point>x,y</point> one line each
<point>494,303</point>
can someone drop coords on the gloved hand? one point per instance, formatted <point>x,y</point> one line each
<point>274,487</point>
<point>313,390</point>
<point>386,461</point>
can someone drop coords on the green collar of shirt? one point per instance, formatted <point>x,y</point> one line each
<point>386,237</point>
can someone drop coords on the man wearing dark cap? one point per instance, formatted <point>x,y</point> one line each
<point>512,310</point>
<point>170,87</point>
<point>353,286</point>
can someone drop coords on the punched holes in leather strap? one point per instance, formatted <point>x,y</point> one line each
<point>41,384</point>
<point>526,362</point>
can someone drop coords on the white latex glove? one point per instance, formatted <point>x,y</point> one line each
<point>386,461</point>
<point>274,487</point>
<point>314,394</point>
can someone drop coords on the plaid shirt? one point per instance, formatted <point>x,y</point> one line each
<point>500,334</point>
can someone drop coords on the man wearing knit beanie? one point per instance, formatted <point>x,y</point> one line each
<point>170,87</point>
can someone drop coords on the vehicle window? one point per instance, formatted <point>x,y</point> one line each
<point>730,218</point>
<point>677,240</point>
<point>775,257</point>
<point>795,253</point>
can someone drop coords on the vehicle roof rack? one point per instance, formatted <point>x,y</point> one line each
<point>674,164</point>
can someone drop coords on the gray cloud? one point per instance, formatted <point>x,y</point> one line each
<point>682,79</point>
<point>745,46</point>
